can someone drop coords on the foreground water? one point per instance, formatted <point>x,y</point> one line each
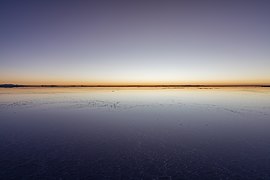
<point>135,133</point>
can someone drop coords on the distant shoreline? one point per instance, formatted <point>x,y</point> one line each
<point>123,86</point>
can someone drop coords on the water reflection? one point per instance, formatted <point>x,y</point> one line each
<point>135,133</point>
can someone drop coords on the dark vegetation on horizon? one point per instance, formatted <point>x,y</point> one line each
<point>135,85</point>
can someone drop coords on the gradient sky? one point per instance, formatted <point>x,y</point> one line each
<point>135,42</point>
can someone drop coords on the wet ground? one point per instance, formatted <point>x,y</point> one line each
<point>135,133</point>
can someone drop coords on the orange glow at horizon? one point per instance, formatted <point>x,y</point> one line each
<point>180,82</point>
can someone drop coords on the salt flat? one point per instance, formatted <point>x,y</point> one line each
<point>135,133</point>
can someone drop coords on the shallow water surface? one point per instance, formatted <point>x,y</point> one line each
<point>135,133</point>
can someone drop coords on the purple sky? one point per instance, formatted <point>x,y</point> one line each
<point>149,41</point>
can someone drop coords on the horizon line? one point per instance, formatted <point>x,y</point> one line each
<point>137,85</point>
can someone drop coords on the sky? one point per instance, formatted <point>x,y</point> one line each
<point>135,42</point>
